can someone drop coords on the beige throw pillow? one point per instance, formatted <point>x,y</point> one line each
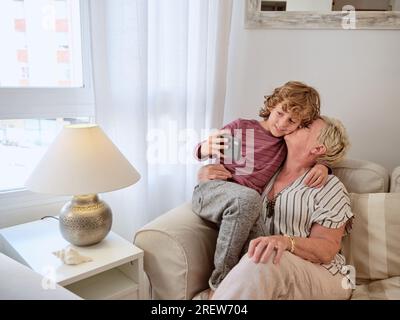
<point>373,246</point>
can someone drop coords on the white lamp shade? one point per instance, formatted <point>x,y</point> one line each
<point>82,160</point>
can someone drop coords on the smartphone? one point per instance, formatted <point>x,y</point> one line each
<point>234,150</point>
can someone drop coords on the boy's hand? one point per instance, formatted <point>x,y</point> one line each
<point>317,176</point>
<point>214,144</point>
<point>212,172</point>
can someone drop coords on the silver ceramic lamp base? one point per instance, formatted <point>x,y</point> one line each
<point>85,220</point>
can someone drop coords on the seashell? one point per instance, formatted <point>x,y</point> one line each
<point>71,256</point>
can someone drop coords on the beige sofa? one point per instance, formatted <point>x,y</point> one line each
<point>18,282</point>
<point>179,246</point>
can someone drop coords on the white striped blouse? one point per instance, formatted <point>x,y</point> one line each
<point>298,207</point>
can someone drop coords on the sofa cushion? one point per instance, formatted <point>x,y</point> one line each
<point>388,289</point>
<point>372,246</point>
<point>360,176</point>
<point>395,180</point>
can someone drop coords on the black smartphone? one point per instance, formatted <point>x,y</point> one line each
<point>234,150</point>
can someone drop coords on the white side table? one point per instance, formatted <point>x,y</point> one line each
<point>116,271</point>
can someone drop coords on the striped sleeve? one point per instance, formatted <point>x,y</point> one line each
<point>232,126</point>
<point>196,152</point>
<point>332,206</point>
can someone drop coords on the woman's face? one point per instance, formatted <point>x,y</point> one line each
<point>305,138</point>
<point>281,123</point>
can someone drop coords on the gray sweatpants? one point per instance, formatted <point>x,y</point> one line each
<point>236,209</point>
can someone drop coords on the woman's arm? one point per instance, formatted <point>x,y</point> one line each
<point>321,247</point>
<point>318,176</point>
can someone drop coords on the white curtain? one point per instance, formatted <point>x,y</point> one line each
<point>159,69</point>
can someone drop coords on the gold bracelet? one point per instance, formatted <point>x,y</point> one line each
<point>292,243</point>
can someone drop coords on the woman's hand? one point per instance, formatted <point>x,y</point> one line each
<point>261,248</point>
<point>212,172</point>
<point>317,176</point>
<point>214,144</point>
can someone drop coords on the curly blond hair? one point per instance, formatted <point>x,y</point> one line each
<point>297,98</point>
<point>335,139</point>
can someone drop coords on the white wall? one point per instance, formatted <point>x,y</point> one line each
<point>16,216</point>
<point>357,73</point>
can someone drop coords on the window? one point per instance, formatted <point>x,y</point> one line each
<point>22,144</point>
<point>43,43</point>
<point>45,81</point>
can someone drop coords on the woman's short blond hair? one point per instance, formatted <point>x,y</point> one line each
<point>334,137</point>
<point>297,98</point>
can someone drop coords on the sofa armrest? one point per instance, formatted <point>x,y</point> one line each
<point>395,180</point>
<point>18,282</point>
<point>178,253</point>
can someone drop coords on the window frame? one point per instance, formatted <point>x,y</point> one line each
<point>49,103</point>
<point>55,102</point>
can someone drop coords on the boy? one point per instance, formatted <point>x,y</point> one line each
<point>235,205</point>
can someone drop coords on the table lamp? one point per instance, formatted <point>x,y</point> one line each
<point>82,161</point>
